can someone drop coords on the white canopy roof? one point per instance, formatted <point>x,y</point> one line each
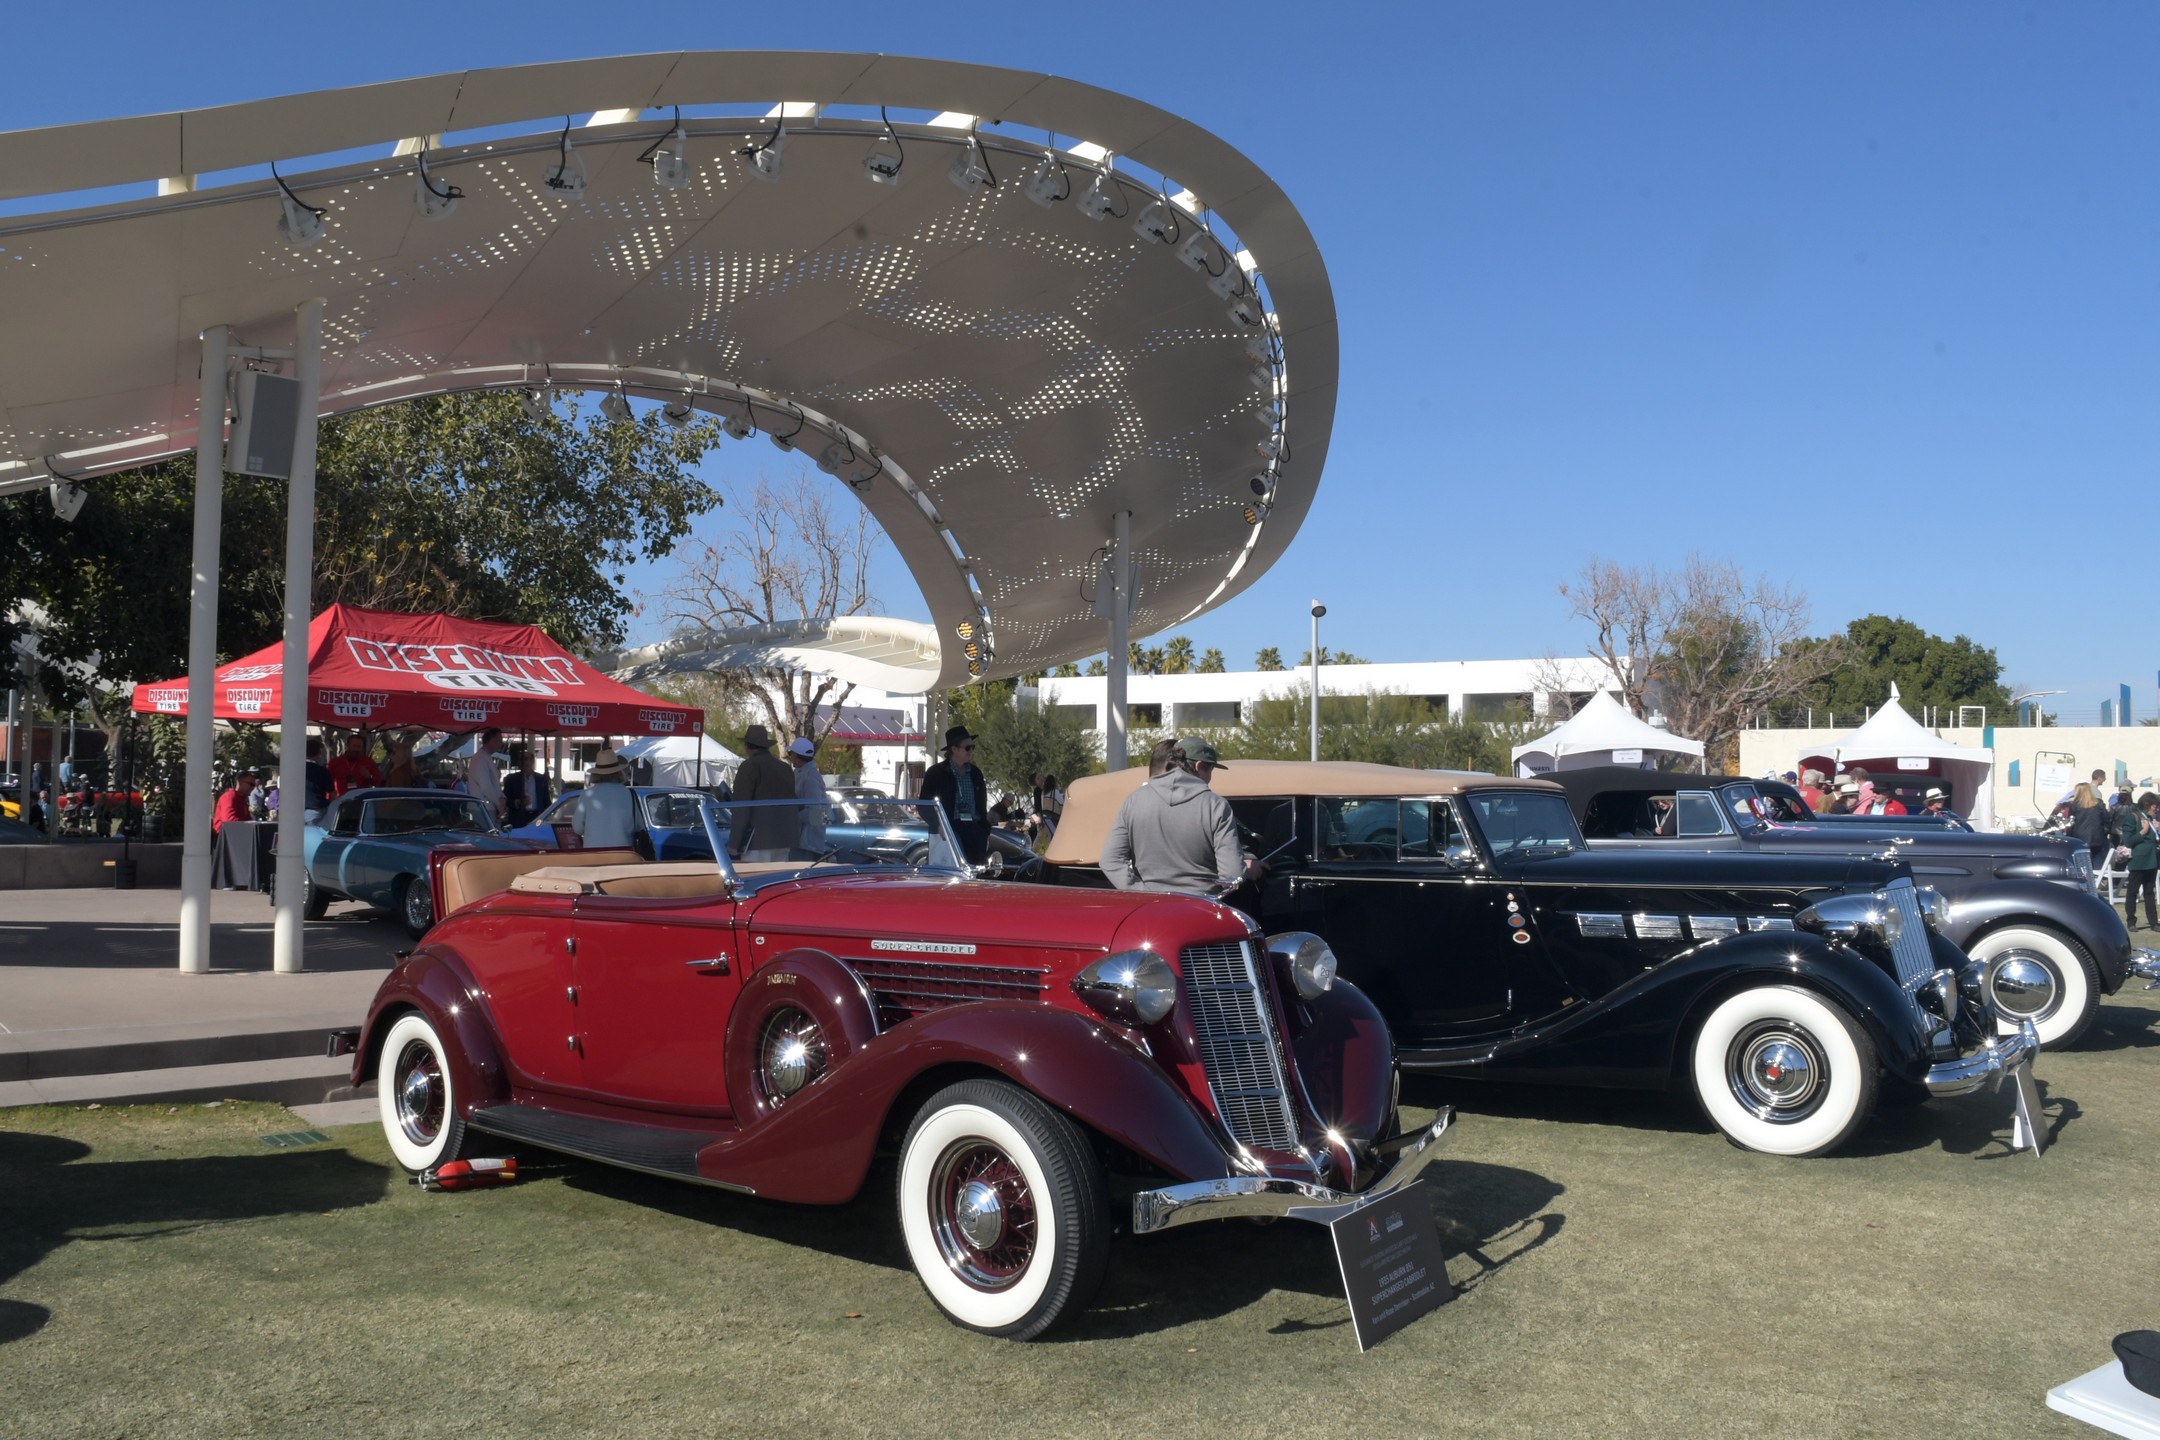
<point>1890,734</point>
<point>676,758</point>
<point>997,379</point>
<point>1593,733</point>
<point>900,657</point>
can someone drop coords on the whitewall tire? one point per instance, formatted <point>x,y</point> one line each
<point>416,1096</point>
<point>1784,1071</point>
<point>2039,975</point>
<point>1002,1204</point>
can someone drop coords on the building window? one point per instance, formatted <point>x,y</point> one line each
<point>1149,716</point>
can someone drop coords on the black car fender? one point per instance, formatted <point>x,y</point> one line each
<point>1637,1035</point>
<point>2077,913</point>
<point>434,980</point>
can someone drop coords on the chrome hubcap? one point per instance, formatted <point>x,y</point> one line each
<point>419,1093</point>
<point>419,905</point>
<point>2023,985</point>
<point>982,1214</point>
<point>794,1054</point>
<point>1777,1073</point>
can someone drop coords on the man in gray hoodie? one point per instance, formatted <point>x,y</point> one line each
<point>1174,833</point>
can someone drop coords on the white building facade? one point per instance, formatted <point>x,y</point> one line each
<point>1464,689</point>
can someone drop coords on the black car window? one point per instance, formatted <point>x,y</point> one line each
<point>1360,828</point>
<point>1267,824</point>
<point>346,821</point>
<point>1519,824</point>
<point>673,811</point>
<point>1699,814</point>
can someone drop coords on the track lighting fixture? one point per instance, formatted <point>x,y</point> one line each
<point>1246,311</point>
<point>965,630</point>
<point>670,164</point>
<point>1229,282</point>
<point>1100,203</point>
<point>567,178</point>
<point>1155,223</point>
<point>1262,349</point>
<point>1194,252</point>
<point>1263,484</point>
<point>1256,511</point>
<point>1262,378</point>
<point>679,413</point>
<point>1272,446</point>
<point>536,402</point>
<point>737,427</point>
<point>765,156</point>
<point>837,456</point>
<point>1269,413</point>
<point>301,226</point>
<point>971,168</point>
<point>1048,183</point>
<point>616,406</point>
<point>431,200</point>
<point>883,165</point>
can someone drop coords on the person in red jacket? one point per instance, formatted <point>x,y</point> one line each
<point>233,804</point>
<point>355,769</point>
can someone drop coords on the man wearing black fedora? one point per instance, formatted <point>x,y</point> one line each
<point>767,832</point>
<point>958,786</point>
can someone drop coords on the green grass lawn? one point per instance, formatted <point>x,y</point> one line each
<point>1625,1272</point>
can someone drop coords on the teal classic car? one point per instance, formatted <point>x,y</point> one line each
<point>372,846</point>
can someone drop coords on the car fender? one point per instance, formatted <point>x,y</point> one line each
<point>434,980</point>
<point>1345,1060</point>
<point>1634,1036</point>
<point>817,1148</point>
<point>807,980</point>
<point>2078,913</point>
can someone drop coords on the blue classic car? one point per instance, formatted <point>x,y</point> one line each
<point>372,846</point>
<point>859,827</point>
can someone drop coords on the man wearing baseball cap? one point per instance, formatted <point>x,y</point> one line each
<point>810,789</point>
<point>1174,833</point>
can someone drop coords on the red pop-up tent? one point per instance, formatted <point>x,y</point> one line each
<point>378,669</point>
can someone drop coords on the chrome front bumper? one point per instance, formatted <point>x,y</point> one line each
<point>1993,1060</point>
<point>2145,965</point>
<point>1253,1195</point>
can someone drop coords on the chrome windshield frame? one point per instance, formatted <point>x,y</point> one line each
<point>944,857</point>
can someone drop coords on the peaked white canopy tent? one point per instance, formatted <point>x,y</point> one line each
<point>1893,743</point>
<point>1076,355</point>
<point>1603,732</point>
<point>682,759</point>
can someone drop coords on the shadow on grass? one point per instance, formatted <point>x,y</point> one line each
<point>51,1200</point>
<point>2120,1027</point>
<point>1491,1213</point>
<point>1976,1124</point>
<point>1569,1105</point>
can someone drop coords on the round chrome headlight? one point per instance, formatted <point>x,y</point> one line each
<point>1307,962</point>
<point>1135,986</point>
<point>1854,918</point>
<point>1933,908</point>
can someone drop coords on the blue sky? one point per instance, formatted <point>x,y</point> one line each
<point>1863,297</point>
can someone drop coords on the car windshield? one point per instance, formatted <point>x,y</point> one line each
<point>759,833</point>
<point>406,815</point>
<point>1520,824</point>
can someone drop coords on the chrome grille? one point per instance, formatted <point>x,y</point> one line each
<point>1915,960</point>
<point>1234,1024</point>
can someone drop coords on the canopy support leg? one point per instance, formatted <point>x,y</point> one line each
<point>299,593</point>
<point>1117,661</point>
<point>198,795</point>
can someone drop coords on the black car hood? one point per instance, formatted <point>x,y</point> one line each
<point>1734,869</point>
<point>1918,840</point>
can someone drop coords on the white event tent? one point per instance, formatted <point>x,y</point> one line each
<point>1892,742</point>
<point>1603,732</point>
<point>682,759</point>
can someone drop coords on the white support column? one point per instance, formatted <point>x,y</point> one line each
<point>197,797</point>
<point>1116,662</point>
<point>299,591</point>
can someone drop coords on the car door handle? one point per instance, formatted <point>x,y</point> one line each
<point>718,965</point>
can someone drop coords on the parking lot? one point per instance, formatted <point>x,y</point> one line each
<point>163,1271</point>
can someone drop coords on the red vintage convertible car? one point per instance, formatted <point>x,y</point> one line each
<point>765,1027</point>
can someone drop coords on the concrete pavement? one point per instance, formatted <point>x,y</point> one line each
<point>93,1007</point>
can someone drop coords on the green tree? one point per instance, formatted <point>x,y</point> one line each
<point>1268,659</point>
<point>1332,657</point>
<point>1016,742</point>
<point>1211,662</point>
<point>1927,669</point>
<point>1066,671</point>
<point>1097,667</point>
<point>1177,656</point>
<point>1383,728</point>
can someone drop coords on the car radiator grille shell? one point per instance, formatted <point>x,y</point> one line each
<point>1233,1023</point>
<point>1915,959</point>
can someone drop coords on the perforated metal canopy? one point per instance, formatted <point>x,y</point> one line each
<point>996,378</point>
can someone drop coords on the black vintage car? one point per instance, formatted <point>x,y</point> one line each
<point>2024,905</point>
<point>1783,992</point>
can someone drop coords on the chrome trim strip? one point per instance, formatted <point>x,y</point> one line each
<point>1603,926</point>
<point>2145,965</point>
<point>1175,1205</point>
<point>1759,923</point>
<point>1713,927</point>
<point>1656,927</point>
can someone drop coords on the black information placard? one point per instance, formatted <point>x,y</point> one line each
<point>1392,1268</point>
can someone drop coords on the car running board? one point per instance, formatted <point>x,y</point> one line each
<point>654,1149</point>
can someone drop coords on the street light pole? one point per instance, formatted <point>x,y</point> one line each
<point>1318,610</point>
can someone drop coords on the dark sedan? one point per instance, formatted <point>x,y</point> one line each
<point>2021,904</point>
